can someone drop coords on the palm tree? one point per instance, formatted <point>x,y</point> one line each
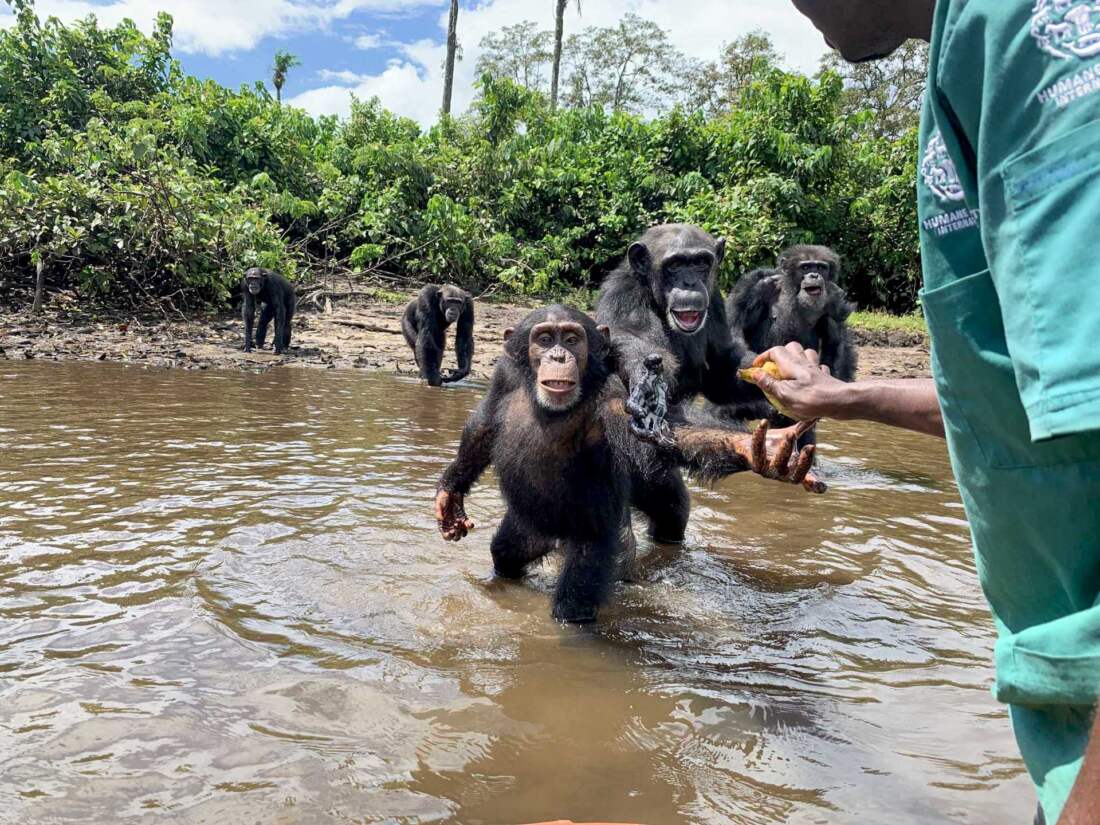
<point>452,49</point>
<point>559,33</point>
<point>284,62</point>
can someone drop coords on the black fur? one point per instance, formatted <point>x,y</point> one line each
<point>765,310</point>
<point>276,296</point>
<point>569,478</point>
<point>424,325</point>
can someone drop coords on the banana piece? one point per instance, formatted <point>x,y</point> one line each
<point>772,369</point>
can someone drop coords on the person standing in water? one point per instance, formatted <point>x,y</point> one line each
<point>1008,199</point>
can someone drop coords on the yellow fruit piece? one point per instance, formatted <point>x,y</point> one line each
<point>771,368</point>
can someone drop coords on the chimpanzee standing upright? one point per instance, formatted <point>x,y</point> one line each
<point>276,294</point>
<point>425,323</point>
<point>562,433</point>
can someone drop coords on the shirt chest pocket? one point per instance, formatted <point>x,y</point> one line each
<point>1049,274</point>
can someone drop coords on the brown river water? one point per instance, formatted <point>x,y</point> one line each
<point>223,600</point>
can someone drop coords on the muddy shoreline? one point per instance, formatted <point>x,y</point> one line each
<point>364,335</point>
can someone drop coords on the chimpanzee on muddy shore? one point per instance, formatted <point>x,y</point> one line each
<point>799,301</point>
<point>276,294</point>
<point>424,325</point>
<point>555,426</point>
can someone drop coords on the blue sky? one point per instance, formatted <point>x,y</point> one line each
<point>394,48</point>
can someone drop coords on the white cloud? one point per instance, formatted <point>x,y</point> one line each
<point>366,42</point>
<point>214,27</point>
<point>413,86</point>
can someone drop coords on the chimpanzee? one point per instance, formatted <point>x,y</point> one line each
<point>424,325</point>
<point>555,426</point>
<point>276,294</point>
<point>799,301</point>
<point>664,299</point>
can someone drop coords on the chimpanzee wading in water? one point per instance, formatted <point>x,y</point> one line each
<point>276,294</point>
<point>425,323</point>
<point>555,426</point>
<point>799,301</point>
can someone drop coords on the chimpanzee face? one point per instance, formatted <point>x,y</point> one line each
<point>680,264</point>
<point>809,270</point>
<point>255,279</point>
<point>450,307</point>
<point>558,353</point>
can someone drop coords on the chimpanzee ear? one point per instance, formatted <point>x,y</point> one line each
<point>605,331</point>
<point>719,251</point>
<point>508,333</point>
<point>640,260</point>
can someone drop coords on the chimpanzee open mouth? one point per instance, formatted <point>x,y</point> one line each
<point>558,386</point>
<point>813,290</point>
<point>688,320</point>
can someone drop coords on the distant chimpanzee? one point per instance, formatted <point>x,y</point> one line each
<point>555,426</point>
<point>798,301</point>
<point>664,299</point>
<point>276,294</point>
<point>424,325</point>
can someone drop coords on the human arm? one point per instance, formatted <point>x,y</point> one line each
<point>808,392</point>
<point>1083,805</point>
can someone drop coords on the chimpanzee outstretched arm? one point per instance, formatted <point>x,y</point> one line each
<point>464,344</point>
<point>248,314</point>
<point>713,452</point>
<point>636,337</point>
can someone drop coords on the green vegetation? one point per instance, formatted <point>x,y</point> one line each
<point>130,180</point>
<point>912,323</point>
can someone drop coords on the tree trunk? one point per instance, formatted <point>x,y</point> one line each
<point>279,95</point>
<point>452,48</point>
<point>39,287</point>
<point>559,33</point>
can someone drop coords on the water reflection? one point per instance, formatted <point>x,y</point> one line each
<point>223,599</point>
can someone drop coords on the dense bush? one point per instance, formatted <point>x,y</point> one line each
<point>129,178</point>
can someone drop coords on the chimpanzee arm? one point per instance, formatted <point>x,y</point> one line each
<point>636,337</point>
<point>408,324</point>
<point>724,356</point>
<point>464,344</point>
<point>475,451</point>
<point>281,318</point>
<point>248,314</point>
<point>749,304</point>
<point>837,351</point>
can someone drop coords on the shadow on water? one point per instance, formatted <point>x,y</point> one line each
<point>223,598</point>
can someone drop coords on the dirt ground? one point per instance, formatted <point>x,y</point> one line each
<point>364,336</point>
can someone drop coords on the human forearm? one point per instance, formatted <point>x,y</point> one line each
<point>1083,805</point>
<point>805,392</point>
<point>910,404</point>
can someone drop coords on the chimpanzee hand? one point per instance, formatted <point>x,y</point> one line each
<point>783,465</point>
<point>648,403</point>
<point>449,376</point>
<point>247,347</point>
<point>451,517</point>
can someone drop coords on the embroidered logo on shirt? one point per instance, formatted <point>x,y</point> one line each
<point>938,171</point>
<point>1067,28</point>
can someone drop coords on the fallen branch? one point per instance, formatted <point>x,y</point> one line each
<point>365,326</point>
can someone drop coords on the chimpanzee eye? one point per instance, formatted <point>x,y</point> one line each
<point>571,340</point>
<point>545,339</point>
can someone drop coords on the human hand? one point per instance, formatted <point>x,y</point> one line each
<point>807,390</point>
<point>451,517</point>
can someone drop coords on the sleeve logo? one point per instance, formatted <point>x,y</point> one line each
<point>938,171</point>
<point>1067,28</point>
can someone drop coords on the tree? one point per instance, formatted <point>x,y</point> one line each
<point>632,67</point>
<point>519,53</point>
<point>452,51</point>
<point>284,62</point>
<point>722,82</point>
<point>559,33</point>
<point>892,88</point>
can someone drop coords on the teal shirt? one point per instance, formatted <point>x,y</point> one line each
<point>1009,201</point>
